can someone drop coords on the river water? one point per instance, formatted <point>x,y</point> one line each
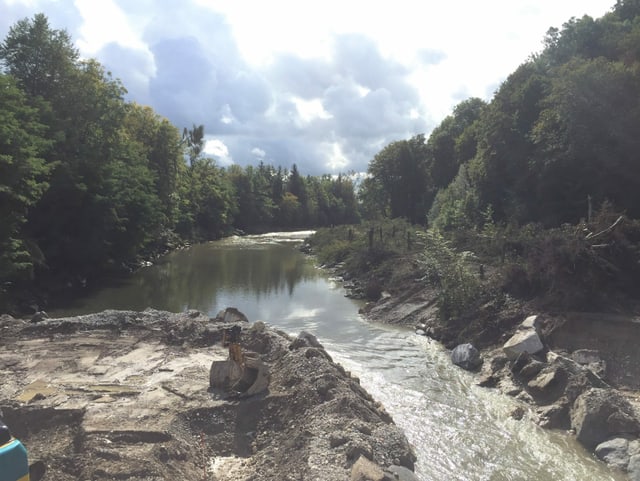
<point>460,432</point>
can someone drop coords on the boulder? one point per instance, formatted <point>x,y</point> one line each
<point>466,356</point>
<point>526,340</point>
<point>599,414</point>
<point>39,316</point>
<point>634,447</point>
<point>585,356</point>
<point>531,369</point>
<point>231,314</point>
<point>305,339</point>
<point>555,416</point>
<point>545,380</point>
<point>531,322</point>
<point>614,452</point>
<point>365,470</point>
<point>399,473</point>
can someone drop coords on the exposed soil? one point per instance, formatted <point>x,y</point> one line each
<point>125,395</point>
<point>615,337</point>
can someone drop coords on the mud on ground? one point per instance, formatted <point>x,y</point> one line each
<point>124,395</point>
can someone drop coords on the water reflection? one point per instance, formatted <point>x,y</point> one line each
<point>207,277</point>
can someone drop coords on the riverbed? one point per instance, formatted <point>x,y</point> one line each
<point>459,431</point>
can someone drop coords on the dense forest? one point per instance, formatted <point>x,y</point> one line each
<point>91,183</point>
<point>560,134</point>
<point>541,184</point>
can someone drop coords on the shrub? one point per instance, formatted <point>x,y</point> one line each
<point>452,272</point>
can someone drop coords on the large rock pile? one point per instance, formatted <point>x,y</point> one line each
<point>568,392</point>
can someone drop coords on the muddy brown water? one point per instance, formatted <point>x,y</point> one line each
<point>460,432</point>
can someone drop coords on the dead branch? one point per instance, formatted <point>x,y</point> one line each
<point>608,229</point>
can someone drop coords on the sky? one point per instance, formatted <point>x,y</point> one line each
<point>325,85</point>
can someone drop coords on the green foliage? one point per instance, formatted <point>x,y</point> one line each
<point>23,177</point>
<point>90,183</point>
<point>161,145</point>
<point>40,58</point>
<point>452,272</point>
<point>453,142</point>
<point>369,247</point>
<point>457,206</point>
<point>578,267</point>
<point>207,207</point>
<point>335,252</point>
<point>398,179</point>
<point>587,141</point>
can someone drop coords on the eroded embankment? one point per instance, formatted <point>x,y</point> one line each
<point>576,372</point>
<point>125,395</point>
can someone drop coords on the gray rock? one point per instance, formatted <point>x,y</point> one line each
<point>599,414</point>
<point>545,381</point>
<point>531,369</point>
<point>614,452</point>
<point>421,332</point>
<point>258,326</point>
<point>466,356</point>
<point>531,322</point>
<point>633,469</point>
<point>399,473</point>
<point>555,416</point>
<point>526,340</point>
<point>231,314</point>
<point>488,380</point>
<point>366,470</point>
<point>574,369</point>
<point>39,316</point>
<point>305,339</point>
<point>586,356</point>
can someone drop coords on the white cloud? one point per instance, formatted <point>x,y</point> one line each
<point>310,110</point>
<point>104,23</point>
<point>323,84</point>
<point>258,153</point>
<point>217,149</point>
<point>337,160</point>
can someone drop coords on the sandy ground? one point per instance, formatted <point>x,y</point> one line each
<point>125,395</point>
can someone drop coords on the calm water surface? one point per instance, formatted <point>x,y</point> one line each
<point>460,432</point>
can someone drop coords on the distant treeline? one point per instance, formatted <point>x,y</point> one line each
<point>91,183</point>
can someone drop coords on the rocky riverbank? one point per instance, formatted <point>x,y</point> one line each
<point>573,371</point>
<point>126,395</point>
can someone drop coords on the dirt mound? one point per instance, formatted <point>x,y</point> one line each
<point>124,395</point>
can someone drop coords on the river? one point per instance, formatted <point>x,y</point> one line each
<point>460,432</point>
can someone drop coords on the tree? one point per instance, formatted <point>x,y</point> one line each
<point>399,176</point>
<point>454,142</point>
<point>23,178</point>
<point>627,9</point>
<point>587,140</point>
<point>161,145</point>
<point>39,57</point>
<point>83,220</point>
<point>207,204</point>
<point>505,146</point>
<point>194,139</point>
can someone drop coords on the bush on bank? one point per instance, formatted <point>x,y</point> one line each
<point>585,266</point>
